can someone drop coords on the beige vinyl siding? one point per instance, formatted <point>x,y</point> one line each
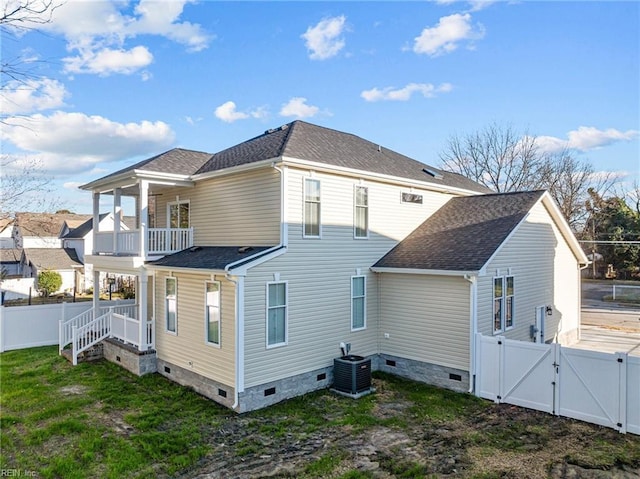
<point>534,252</point>
<point>234,210</point>
<point>426,317</point>
<point>187,348</point>
<point>319,271</point>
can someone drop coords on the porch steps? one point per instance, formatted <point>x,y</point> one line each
<point>94,353</point>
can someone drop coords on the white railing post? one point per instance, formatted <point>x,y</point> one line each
<point>614,292</point>
<point>60,335</point>
<point>74,345</point>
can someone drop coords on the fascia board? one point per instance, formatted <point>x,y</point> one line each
<point>430,272</point>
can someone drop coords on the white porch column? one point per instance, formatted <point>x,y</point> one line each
<point>117,202</point>
<point>141,298</point>
<point>144,218</point>
<point>96,291</point>
<point>96,219</point>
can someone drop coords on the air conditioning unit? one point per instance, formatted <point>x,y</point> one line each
<point>352,375</point>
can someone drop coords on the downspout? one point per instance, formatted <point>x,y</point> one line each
<point>239,332</point>
<point>473,328</point>
<point>239,284</point>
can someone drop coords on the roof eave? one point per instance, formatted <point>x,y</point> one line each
<point>131,177</point>
<point>431,272</point>
<point>237,169</point>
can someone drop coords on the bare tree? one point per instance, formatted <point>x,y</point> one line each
<point>498,157</point>
<point>24,187</point>
<point>505,160</point>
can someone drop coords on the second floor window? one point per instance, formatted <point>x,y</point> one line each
<point>361,214</point>
<point>178,214</point>
<point>311,208</point>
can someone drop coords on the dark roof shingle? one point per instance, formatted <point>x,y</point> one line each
<point>463,234</point>
<point>310,142</point>
<point>209,257</point>
<point>52,258</point>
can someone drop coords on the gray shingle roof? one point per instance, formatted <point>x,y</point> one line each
<point>82,230</point>
<point>10,255</point>
<point>177,161</point>
<point>463,234</point>
<point>52,258</point>
<point>310,142</point>
<point>45,224</point>
<point>209,257</point>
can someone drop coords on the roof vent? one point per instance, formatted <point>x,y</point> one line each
<point>193,249</point>
<point>435,174</point>
<point>244,249</point>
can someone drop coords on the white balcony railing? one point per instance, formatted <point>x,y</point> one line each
<point>161,241</point>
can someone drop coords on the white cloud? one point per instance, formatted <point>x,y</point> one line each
<point>22,97</point>
<point>475,5</point>
<point>427,90</point>
<point>585,138</point>
<point>107,61</point>
<point>298,107</point>
<point>446,35</point>
<point>324,39</point>
<point>97,32</point>
<point>227,112</point>
<point>72,185</point>
<point>75,142</point>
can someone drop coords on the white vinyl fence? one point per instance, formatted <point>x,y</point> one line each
<point>38,325</point>
<point>592,386</point>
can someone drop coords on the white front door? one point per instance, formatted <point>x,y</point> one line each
<point>540,319</point>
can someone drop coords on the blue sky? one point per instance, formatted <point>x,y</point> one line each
<point>117,82</point>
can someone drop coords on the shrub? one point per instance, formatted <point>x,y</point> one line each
<point>49,282</point>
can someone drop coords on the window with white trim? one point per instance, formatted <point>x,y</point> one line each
<point>311,208</point>
<point>358,302</point>
<point>276,313</point>
<point>361,213</point>
<point>503,303</point>
<point>212,312</point>
<point>171,304</point>
<point>178,214</point>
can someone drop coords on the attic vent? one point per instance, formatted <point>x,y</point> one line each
<point>244,249</point>
<point>435,174</point>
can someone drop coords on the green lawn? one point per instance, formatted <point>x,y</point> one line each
<point>97,420</point>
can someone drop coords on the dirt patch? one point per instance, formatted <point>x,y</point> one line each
<point>531,444</point>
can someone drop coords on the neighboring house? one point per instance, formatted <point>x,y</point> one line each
<point>43,230</point>
<point>6,233</point>
<point>10,261</point>
<point>266,256</point>
<point>63,260</point>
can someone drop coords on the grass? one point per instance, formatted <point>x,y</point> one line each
<point>98,420</point>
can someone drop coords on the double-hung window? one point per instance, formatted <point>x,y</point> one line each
<point>171,306</point>
<point>358,302</point>
<point>311,208</point>
<point>276,314</point>
<point>503,303</point>
<point>212,312</point>
<point>361,213</point>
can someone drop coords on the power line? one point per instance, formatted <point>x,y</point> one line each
<point>609,242</point>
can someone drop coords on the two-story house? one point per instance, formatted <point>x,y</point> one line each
<point>260,260</point>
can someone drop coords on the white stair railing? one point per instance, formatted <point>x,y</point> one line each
<point>65,328</point>
<point>84,337</point>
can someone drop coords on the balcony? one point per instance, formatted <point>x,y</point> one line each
<point>160,242</point>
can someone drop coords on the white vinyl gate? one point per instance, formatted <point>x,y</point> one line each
<point>596,387</point>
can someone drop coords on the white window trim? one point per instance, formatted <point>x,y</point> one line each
<point>304,208</point>
<point>503,312</point>
<point>286,315</point>
<point>206,318</point>
<point>166,309</point>
<point>180,202</point>
<point>364,324</point>
<point>355,208</point>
